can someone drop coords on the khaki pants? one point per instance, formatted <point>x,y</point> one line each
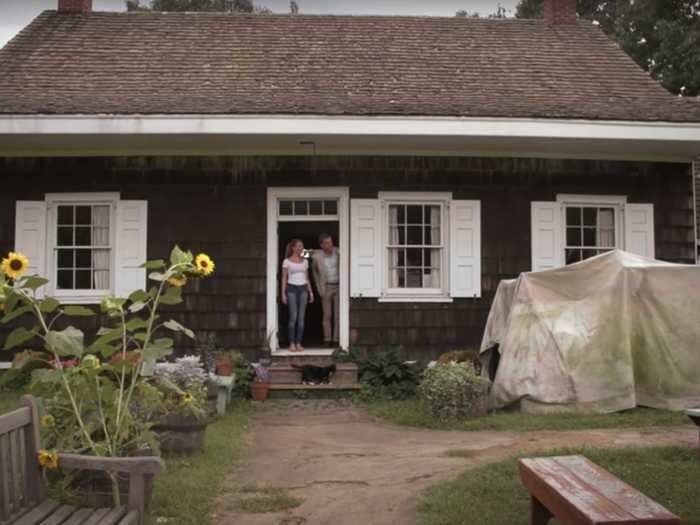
<point>330,303</point>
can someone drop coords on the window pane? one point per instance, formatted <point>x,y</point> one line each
<point>414,278</point>
<point>590,253</point>
<point>64,279</point>
<point>316,207</point>
<point>589,237</point>
<point>301,208</point>
<point>65,236</point>
<point>330,207</point>
<point>414,214</point>
<point>83,280</point>
<point>573,256</point>
<point>401,214</point>
<point>590,217</point>
<point>414,235</point>
<point>100,236</point>
<point>83,258</point>
<point>573,216</point>
<point>64,258</point>
<point>65,215</point>
<point>83,236</point>
<point>607,238</point>
<point>573,236</point>
<point>286,208</point>
<point>414,257</point>
<point>83,215</point>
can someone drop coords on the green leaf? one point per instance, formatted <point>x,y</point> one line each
<point>156,276</point>
<point>48,305</point>
<point>135,324</point>
<point>105,337</point>
<point>34,282</point>
<point>18,336</point>
<point>106,350</point>
<point>15,313</point>
<point>136,307</point>
<point>78,311</point>
<point>69,342</point>
<point>172,296</point>
<point>177,256</point>
<point>177,327</point>
<point>11,301</point>
<point>139,296</point>
<point>46,375</point>
<point>157,264</point>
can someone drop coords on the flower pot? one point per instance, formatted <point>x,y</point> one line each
<point>94,488</point>
<point>260,391</point>
<point>177,433</point>
<point>224,367</point>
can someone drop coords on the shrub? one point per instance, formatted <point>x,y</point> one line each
<point>454,390</point>
<point>388,374</point>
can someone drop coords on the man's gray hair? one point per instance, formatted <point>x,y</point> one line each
<point>323,237</point>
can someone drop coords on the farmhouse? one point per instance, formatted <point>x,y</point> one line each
<point>441,154</point>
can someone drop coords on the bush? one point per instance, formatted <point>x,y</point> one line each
<point>454,390</point>
<point>389,376</point>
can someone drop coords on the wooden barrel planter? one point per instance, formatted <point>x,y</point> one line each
<point>94,488</point>
<point>177,433</point>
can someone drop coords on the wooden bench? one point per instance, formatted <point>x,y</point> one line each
<point>23,489</point>
<point>576,491</point>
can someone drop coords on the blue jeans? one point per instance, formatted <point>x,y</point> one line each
<point>297,298</point>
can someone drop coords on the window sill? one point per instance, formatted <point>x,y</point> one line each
<point>415,300</point>
<point>81,299</point>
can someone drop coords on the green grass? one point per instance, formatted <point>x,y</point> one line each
<point>254,500</point>
<point>415,413</point>
<point>185,493</point>
<point>493,494</point>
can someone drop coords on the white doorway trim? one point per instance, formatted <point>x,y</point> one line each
<point>343,218</point>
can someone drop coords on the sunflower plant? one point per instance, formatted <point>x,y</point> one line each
<point>88,390</point>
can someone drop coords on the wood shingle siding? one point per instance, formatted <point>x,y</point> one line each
<point>218,206</point>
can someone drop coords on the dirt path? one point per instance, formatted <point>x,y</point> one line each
<point>350,469</point>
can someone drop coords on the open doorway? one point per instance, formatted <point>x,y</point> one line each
<point>305,213</point>
<point>308,232</point>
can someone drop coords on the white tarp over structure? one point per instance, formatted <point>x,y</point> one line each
<point>607,334</point>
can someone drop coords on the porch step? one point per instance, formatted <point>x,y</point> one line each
<point>297,386</point>
<point>285,374</point>
<point>297,391</point>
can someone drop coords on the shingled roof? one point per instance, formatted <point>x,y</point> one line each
<point>215,63</point>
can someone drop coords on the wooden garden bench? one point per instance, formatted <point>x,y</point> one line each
<point>577,491</point>
<point>23,489</point>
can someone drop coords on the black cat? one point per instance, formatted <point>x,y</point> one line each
<point>315,375</point>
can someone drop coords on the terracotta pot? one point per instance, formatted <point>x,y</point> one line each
<point>178,433</point>
<point>224,367</point>
<point>259,391</point>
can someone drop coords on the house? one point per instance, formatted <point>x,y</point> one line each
<point>442,154</point>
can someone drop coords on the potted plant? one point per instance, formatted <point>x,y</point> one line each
<point>88,390</point>
<point>260,387</point>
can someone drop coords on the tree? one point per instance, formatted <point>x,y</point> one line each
<point>662,36</point>
<point>293,7</point>
<point>232,6</point>
<point>501,12</point>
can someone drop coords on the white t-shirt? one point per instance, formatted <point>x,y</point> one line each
<point>296,272</point>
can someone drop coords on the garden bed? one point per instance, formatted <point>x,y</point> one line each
<point>493,495</point>
<point>415,413</point>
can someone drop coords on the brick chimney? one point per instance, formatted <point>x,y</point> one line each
<point>557,12</point>
<point>74,6</point>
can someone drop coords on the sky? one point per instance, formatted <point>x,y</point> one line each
<point>15,14</point>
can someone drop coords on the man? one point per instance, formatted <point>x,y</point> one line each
<point>326,271</point>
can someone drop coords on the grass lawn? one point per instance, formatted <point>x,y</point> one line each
<point>415,413</point>
<point>185,493</point>
<point>493,494</point>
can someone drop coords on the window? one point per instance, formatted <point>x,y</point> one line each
<point>590,231</point>
<point>81,259</point>
<point>308,207</point>
<point>415,246</point>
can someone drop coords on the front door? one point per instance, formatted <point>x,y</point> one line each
<point>305,213</point>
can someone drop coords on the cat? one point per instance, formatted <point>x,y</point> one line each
<point>315,375</point>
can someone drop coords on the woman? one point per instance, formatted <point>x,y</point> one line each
<point>296,292</point>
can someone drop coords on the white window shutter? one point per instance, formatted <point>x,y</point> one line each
<point>465,248</point>
<point>130,247</point>
<point>547,233</point>
<point>30,236</point>
<point>366,248</point>
<point>639,230</point>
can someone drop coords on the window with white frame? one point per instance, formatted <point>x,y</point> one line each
<point>415,246</point>
<point>87,245</point>
<point>590,231</point>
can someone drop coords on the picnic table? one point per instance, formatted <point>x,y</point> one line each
<point>224,386</point>
<point>577,491</point>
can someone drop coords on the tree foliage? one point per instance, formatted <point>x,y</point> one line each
<point>662,36</point>
<point>231,6</point>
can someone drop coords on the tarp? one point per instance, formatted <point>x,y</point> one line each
<point>606,334</point>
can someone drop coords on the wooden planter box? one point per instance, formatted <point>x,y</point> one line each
<point>184,434</point>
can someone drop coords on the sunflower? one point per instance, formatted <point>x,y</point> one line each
<point>92,361</point>
<point>204,264</point>
<point>48,459</point>
<point>178,281</point>
<point>48,421</point>
<point>14,265</point>
<point>188,399</point>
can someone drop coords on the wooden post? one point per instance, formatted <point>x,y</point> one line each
<point>36,488</point>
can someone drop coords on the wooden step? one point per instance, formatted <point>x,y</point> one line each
<point>297,386</point>
<point>280,374</point>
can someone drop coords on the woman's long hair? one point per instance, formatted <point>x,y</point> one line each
<point>290,246</point>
